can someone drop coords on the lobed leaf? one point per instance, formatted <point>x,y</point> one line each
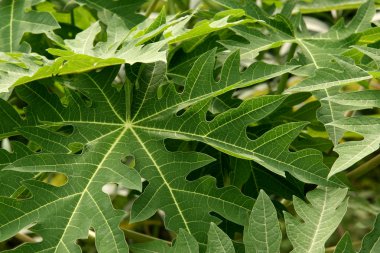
<point>319,219</point>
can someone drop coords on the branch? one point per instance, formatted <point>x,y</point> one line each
<point>364,168</point>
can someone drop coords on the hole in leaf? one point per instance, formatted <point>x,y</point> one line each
<point>88,245</point>
<point>129,160</point>
<point>180,88</point>
<point>153,226</point>
<point>232,229</point>
<point>110,189</point>
<point>76,147</point>
<point>173,145</point>
<point>210,116</point>
<point>180,112</point>
<point>65,130</point>
<point>56,179</point>
<point>6,145</point>
<point>352,136</point>
<point>120,196</point>
<point>25,235</point>
<point>254,132</point>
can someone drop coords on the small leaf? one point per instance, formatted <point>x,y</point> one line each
<point>185,243</point>
<point>263,233</point>
<point>218,241</point>
<point>345,245</point>
<point>371,242</point>
<point>353,151</point>
<point>320,218</point>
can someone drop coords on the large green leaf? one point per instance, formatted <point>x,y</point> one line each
<point>319,219</point>
<point>180,113</point>
<point>117,126</point>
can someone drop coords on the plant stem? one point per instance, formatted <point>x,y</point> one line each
<point>139,237</point>
<point>151,8</point>
<point>24,238</point>
<point>284,78</point>
<point>364,168</point>
<point>72,17</point>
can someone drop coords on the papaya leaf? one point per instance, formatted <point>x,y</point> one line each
<point>17,20</point>
<point>349,152</point>
<point>13,179</point>
<point>344,245</point>
<point>218,241</point>
<point>119,8</point>
<point>371,241</point>
<point>263,232</point>
<point>81,55</point>
<point>319,219</point>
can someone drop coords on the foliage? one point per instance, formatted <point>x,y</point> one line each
<point>234,127</point>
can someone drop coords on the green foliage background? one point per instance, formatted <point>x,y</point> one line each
<point>189,126</point>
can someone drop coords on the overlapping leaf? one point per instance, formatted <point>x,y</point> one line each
<point>81,55</point>
<point>327,70</point>
<point>99,132</point>
<point>263,232</point>
<point>143,43</point>
<point>119,8</point>
<point>116,126</point>
<point>319,219</point>
<point>370,244</point>
<point>262,236</point>
<point>16,20</point>
<point>13,179</point>
<point>218,241</point>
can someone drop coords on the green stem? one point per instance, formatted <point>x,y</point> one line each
<point>284,78</point>
<point>171,7</point>
<point>151,8</point>
<point>128,94</point>
<point>139,237</point>
<point>72,18</point>
<point>364,168</point>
